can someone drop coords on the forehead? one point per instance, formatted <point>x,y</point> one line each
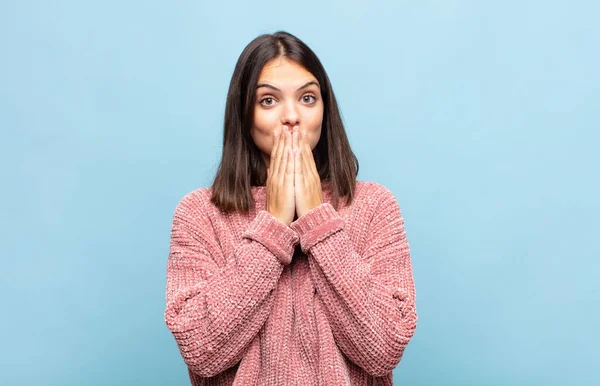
<point>283,71</point>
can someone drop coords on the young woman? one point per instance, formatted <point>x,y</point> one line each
<point>288,270</point>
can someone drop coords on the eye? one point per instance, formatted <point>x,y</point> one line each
<point>307,98</point>
<point>268,99</point>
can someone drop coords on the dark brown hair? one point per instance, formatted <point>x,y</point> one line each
<point>242,165</point>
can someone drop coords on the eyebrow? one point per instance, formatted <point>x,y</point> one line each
<point>259,85</point>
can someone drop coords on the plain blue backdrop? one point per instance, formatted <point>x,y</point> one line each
<point>481,117</point>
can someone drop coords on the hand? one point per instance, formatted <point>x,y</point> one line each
<point>307,183</point>
<point>280,178</point>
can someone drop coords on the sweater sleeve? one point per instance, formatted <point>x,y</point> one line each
<point>215,310</point>
<point>369,299</point>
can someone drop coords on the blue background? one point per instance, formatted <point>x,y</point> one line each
<point>481,117</point>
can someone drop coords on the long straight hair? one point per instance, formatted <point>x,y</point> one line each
<point>242,165</point>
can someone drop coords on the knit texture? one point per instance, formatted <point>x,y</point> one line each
<point>329,300</point>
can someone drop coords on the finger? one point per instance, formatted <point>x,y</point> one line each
<point>306,172</point>
<point>289,173</point>
<point>281,153</point>
<point>285,159</point>
<point>311,158</point>
<point>275,152</point>
<point>301,178</point>
<point>302,165</point>
<point>298,175</point>
<point>272,155</point>
<point>295,141</point>
<point>308,161</point>
<point>293,153</point>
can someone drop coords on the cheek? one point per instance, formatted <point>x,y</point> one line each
<point>263,141</point>
<point>266,121</point>
<point>260,122</point>
<point>314,139</point>
<point>262,131</point>
<point>315,127</point>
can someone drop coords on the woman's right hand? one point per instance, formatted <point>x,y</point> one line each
<point>280,177</point>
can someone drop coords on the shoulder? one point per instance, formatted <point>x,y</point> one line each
<point>373,191</point>
<point>379,199</point>
<point>384,208</point>
<point>194,202</point>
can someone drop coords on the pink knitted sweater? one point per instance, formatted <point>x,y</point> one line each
<point>329,300</point>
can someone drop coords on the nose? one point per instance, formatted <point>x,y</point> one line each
<point>290,115</point>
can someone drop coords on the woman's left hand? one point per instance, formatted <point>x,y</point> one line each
<point>307,183</point>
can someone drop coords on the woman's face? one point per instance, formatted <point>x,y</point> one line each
<point>286,95</point>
